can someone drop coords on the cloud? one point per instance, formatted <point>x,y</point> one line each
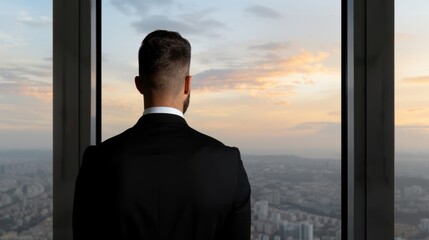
<point>263,12</point>
<point>416,109</point>
<point>187,24</point>
<point>304,81</point>
<point>413,127</point>
<point>221,79</point>
<point>319,127</point>
<point>28,20</point>
<point>266,78</point>
<point>403,36</point>
<point>21,73</point>
<point>419,129</point>
<point>335,113</point>
<point>138,6</point>
<point>153,15</point>
<point>22,81</point>
<point>263,74</point>
<point>417,80</point>
<point>273,46</point>
<point>9,41</point>
<point>7,107</point>
<point>38,90</point>
<point>282,103</point>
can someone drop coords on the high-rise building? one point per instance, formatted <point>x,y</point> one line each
<point>269,228</point>
<point>338,235</point>
<point>275,197</point>
<point>261,209</point>
<point>259,226</point>
<point>424,225</point>
<point>306,231</point>
<point>277,220</point>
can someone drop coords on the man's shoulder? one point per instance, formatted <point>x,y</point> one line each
<point>216,146</point>
<point>204,137</point>
<point>208,139</point>
<point>109,144</point>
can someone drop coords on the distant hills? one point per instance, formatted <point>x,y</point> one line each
<point>25,155</point>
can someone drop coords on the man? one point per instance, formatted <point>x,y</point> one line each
<point>161,179</point>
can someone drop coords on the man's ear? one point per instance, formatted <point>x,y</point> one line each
<point>139,84</point>
<point>187,89</point>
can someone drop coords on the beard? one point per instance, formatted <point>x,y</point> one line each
<point>186,103</point>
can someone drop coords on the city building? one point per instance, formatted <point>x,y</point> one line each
<point>306,231</point>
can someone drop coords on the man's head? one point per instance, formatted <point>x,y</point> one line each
<point>164,61</point>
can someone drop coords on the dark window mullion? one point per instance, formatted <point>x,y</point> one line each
<point>367,134</point>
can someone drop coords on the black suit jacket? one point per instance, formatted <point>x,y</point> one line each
<point>161,180</point>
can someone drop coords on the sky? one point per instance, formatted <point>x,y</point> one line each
<point>266,75</point>
<point>25,74</point>
<point>257,70</point>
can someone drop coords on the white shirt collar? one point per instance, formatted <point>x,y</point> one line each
<point>168,110</point>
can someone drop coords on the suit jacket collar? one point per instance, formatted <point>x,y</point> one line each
<point>160,118</point>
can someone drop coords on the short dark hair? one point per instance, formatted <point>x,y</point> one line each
<point>164,60</point>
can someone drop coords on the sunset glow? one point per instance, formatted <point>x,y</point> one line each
<point>266,77</point>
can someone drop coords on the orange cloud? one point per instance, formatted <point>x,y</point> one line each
<point>304,59</point>
<point>39,90</point>
<point>282,103</point>
<point>416,109</point>
<point>268,77</point>
<point>403,36</point>
<point>263,74</point>
<point>417,80</point>
<point>42,92</point>
<point>7,107</point>
<point>32,81</point>
<point>335,113</point>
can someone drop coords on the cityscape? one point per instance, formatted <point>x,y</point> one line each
<point>25,195</point>
<point>293,198</point>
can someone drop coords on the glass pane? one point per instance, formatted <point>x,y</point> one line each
<point>26,119</point>
<point>266,78</point>
<point>412,120</point>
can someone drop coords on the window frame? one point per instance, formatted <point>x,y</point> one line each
<point>367,119</point>
<point>76,99</point>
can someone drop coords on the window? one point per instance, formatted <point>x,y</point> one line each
<point>266,78</point>
<point>412,117</point>
<point>26,120</point>
<point>367,94</point>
